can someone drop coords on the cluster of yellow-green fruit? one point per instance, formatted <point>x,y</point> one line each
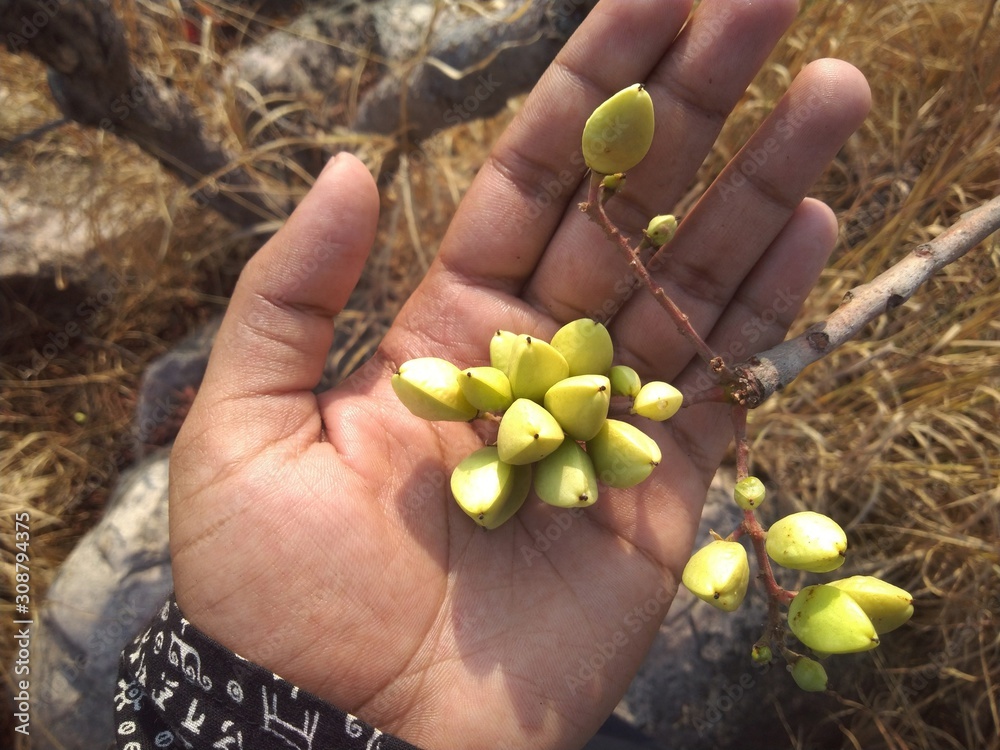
<point>552,400</point>
<point>840,617</point>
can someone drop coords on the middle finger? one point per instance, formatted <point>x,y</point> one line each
<point>694,88</point>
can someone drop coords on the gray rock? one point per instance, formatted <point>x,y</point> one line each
<point>42,240</point>
<point>473,64</point>
<point>428,80</point>
<point>105,593</point>
<point>168,387</point>
<point>57,225</point>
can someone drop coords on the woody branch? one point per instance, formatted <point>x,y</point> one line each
<point>769,371</point>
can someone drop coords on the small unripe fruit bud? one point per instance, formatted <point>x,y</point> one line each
<point>612,183</point>
<point>718,573</point>
<point>657,400</point>
<point>749,493</point>
<point>489,490</point>
<point>619,132</point>
<point>527,433</point>
<point>809,674</point>
<point>624,381</point>
<point>486,388</point>
<point>887,606</point>
<point>429,387</point>
<point>807,541</point>
<point>579,404</point>
<point>661,229</point>
<point>566,477</point>
<point>586,346</point>
<point>761,654</point>
<point>623,455</point>
<point>534,367</point>
<point>828,620</point>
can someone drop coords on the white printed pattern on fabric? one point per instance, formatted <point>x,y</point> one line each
<point>185,701</point>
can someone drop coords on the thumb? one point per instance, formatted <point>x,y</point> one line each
<point>272,346</point>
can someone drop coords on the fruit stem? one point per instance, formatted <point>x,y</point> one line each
<point>594,208</point>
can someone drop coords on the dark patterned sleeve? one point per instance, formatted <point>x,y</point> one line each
<point>177,688</point>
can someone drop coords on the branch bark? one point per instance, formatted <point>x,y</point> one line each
<point>95,83</point>
<point>770,371</point>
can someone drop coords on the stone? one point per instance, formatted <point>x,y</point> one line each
<point>104,594</point>
<point>168,387</point>
<point>62,227</point>
<point>38,239</point>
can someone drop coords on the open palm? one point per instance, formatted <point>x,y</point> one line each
<point>317,536</point>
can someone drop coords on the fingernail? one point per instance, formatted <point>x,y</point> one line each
<point>332,162</point>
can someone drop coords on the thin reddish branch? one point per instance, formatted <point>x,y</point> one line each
<point>751,527</point>
<point>772,370</point>
<point>594,208</point>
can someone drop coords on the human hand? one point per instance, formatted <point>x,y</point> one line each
<point>316,535</point>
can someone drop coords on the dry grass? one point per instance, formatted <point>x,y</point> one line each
<point>894,434</point>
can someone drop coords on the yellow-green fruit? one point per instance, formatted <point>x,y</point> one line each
<point>527,433</point>
<point>500,345</point>
<point>586,345</point>
<point>828,620</point>
<point>808,674</point>
<point>749,493</point>
<point>486,388</point>
<point>623,454</point>
<point>619,132</point>
<point>807,541</point>
<point>429,388</point>
<point>624,381</point>
<point>566,477</point>
<point>657,400</point>
<point>580,404</point>
<point>718,573</point>
<point>534,367</point>
<point>489,490</point>
<point>887,606</point>
<point>660,230</point>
